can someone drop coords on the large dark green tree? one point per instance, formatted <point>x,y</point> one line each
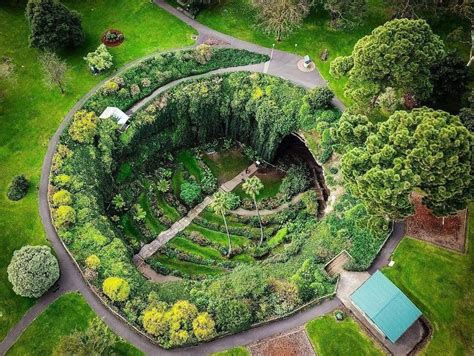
<point>398,55</point>
<point>53,26</point>
<point>424,151</point>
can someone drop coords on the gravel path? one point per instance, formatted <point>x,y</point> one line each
<point>283,65</point>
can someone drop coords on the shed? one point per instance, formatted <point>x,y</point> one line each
<point>385,306</point>
<point>117,114</point>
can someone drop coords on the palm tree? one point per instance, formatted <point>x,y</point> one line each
<point>252,187</point>
<point>221,204</point>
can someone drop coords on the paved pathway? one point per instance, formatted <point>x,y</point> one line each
<point>151,248</point>
<point>283,65</point>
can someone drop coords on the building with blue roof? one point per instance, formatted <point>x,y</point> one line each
<point>386,307</point>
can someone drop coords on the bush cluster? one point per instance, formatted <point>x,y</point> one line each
<point>17,188</point>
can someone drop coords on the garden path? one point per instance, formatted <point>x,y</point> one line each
<point>151,248</point>
<point>266,212</point>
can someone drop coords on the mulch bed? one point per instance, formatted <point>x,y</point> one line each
<point>423,225</point>
<point>114,43</point>
<point>295,343</point>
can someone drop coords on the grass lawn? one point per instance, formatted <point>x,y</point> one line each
<point>225,165</point>
<point>68,313</point>
<point>193,248</point>
<point>330,337</point>
<point>236,351</point>
<point>188,268</point>
<point>271,186</point>
<point>167,209</point>
<point>153,224</point>
<point>190,163</point>
<point>30,112</point>
<point>439,282</point>
<point>217,236</point>
<point>237,18</point>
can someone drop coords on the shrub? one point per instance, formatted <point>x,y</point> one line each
<point>62,197</point>
<point>110,87</point>
<point>117,289</point>
<point>310,200</point>
<point>204,327</point>
<point>203,53</point>
<point>93,262</point>
<point>32,271</point>
<point>62,180</point>
<point>100,59</point>
<point>190,193</point>
<point>155,322</point>
<point>138,213</point>
<point>18,188</point>
<point>64,216</point>
<point>320,98</point>
<point>83,127</point>
<point>295,181</point>
<point>232,315</point>
<point>134,90</point>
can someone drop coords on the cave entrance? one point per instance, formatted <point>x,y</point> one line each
<point>293,149</point>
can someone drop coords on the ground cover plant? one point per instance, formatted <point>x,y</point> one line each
<point>70,313</point>
<point>253,284</point>
<point>332,337</point>
<point>148,28</point>
<point>438,282</point>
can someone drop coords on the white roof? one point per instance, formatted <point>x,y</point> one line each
<point>116,113</point>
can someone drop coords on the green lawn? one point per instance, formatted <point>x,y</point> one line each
<point>225,165</point>
<point>439,282</point>
<point>330,337</point>
<point>68,313</point>
<point>271,187</point>
<point>237,18</point>
<point>190,163</point>
<point>30,112</point>
<point>185,245</point>
<point>188,268</point>
<point>236,351</point>
<point>218,237</point>
<point>152,223</point>
<point>167,209</point>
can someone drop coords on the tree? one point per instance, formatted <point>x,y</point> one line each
<point>96,340</point>
<point>18,188</point>
<point>203,53</point>
<point>116,288</point>
<point>232,315</point>
<point>352,130</point>
<point>54,69</point>
<point>252,186</point>
<point>220,204</point>
<point>53,26</point>
<point>423,150</point>
<point>163,185</point>
<point>84,126</point>
<point>344,13</point>
<point>138,213</point>
<point>391,57</point>
<point>32,271</point>
<point>280,17</point>
<point>340,66</point>
<point>100,59</point>
<point>204,327</point>
<point>319,98</point>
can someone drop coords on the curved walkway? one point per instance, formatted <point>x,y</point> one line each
<point>283,64</point>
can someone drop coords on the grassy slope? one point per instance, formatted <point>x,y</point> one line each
<point>188,268</point>
<point>330,337</point>
<point>440,283</point>
<point>185,245</point>
<point>30,112</point>
<point>225,165</point>
<point>189,161</point>
<point>217,236</point>
<point>236,18</point>
<point>70,312</point>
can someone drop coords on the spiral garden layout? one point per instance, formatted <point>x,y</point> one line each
<point>161,179</point>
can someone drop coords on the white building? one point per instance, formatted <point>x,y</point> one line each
<point>117,114</point>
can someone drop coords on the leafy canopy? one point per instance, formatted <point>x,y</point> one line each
<point>423,150</point>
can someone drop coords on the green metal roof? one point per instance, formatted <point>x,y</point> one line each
<point>386,306</point>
